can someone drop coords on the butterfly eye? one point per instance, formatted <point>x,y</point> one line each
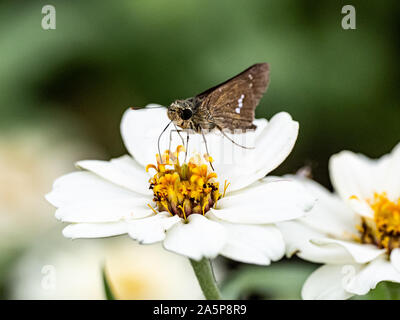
<point>186,114</point>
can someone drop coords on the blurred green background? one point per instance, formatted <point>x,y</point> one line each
<point>69,87</point>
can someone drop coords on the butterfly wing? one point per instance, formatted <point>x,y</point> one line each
<point>231,104</point>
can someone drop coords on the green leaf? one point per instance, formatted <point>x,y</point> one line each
<point>383,291</point>
<point>107,289</point>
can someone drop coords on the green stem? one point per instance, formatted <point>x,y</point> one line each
<point>106,284</point>
<point>393,290</point>
<point>205,276</point>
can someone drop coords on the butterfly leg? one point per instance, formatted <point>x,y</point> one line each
<point>205,143</point>
<point>179,133</point>
<point>187,144</point>
<point>230,139</point>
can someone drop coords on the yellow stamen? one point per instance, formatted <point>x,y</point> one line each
<point>208,158</point>
<point>190,188</point>
<point>183,212</point>
<point>155,212</point>
<point>211,175</point>
<point>165,205</point>
<point>383,229</point>
<point>203,207</point>
<point>151,166</point>
<point>226,185</point>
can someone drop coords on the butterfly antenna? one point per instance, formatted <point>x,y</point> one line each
<point>230,139</point>
<point>139,108</point>
<point>159,137</point>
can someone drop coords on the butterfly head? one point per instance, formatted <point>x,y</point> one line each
<point>181,112</point>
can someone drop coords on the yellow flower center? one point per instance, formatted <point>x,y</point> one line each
<point>383,229</point>
<point>184,189</point>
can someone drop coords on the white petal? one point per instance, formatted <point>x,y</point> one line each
<point>123,171</point>
<point>272,147</point>
<point>330,215</point>
<point>353,175</point>
<point>140,130</point>
<point>389,173</point>
<point>326,283</point>
<point>297,238</point>
<point>276,141</point>
<point>80,186</point>
<point>198,238</point>
<point>361,207</point>
<point>231,162</point>
<point>369,276</point>
<point>252,243</point>
<point>395,259</point>
<point>95,230</point>
<point>151,229</point>
<point>361,253</point>
<point>104,211</point>
<point>272,200</point>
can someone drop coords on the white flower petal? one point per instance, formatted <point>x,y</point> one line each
<point>104,211</point>
<point>151,229</point>
<point>276,141</point>
<point>272,147</point>
<point>252,243</point>
<point>330,215</point>
<point>272,200</point>
<point>326,283</point>
<point>361,207</point>
<point>231,162</point>
<point>297,238</point>
<point>389,174</point>
<point>353,175</point>
<point>123,171</point>
<point>368,277</point>
<point>361,253</point>
<point>198,238</point>
<point>395,259</point>
<point>81,186</point>
<point>95,230</point>
<point>356,175</point>
<point>140,130</point>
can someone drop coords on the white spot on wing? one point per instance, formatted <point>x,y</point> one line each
<point>240,103</point>
<point>250,76</point>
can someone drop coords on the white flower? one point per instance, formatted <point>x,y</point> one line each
<point>112,198</point>
<point>355,233</point>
